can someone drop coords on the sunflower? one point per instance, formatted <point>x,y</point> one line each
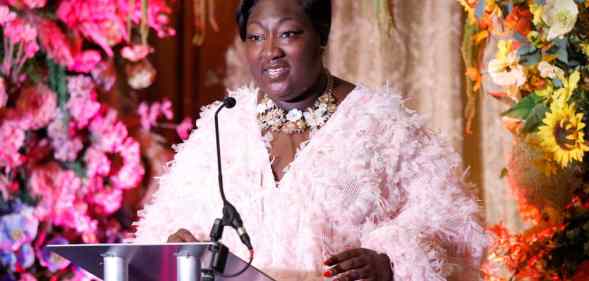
<point>562,133</point>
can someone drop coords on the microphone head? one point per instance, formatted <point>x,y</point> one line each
<point>229,102</point>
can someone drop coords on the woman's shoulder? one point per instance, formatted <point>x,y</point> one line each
<point>385,105</point>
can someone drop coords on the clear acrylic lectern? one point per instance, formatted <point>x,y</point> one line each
<point>151,262</point>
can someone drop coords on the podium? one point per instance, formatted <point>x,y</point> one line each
<point>152,262</point>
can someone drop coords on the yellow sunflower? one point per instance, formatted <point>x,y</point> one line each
<point>562,133</point>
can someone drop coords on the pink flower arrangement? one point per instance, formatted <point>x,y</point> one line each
<point>82,104</point>
<point>97,20</point>
<point>11,140</point>
<point>107,132</point>
<point>107,201</point>
<point>65,145</point>
<point>66,158</point>
<point>150,113</point>
<point>97,163</point>
<point>131,171</point>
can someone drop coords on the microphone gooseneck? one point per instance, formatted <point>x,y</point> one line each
<point>230,216</point>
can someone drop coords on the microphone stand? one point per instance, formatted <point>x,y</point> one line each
<point>231,217</point>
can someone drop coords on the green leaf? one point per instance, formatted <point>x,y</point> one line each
<point>535,118</point>
<point>560,49</point>
<point>524,107</point>
<point>57,82</point>
<point>531,58</point>
<point>77,167</point>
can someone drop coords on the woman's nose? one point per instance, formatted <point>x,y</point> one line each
<point>272,50</point>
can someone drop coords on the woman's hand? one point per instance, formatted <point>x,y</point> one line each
<point>182,236</point>
<point>359,264</point>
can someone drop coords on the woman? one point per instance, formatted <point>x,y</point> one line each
<point>331,179</point>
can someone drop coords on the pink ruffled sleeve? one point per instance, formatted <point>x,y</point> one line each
<point>437,234</point>
<point>187,193</point>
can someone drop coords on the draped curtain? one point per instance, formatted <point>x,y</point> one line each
<point>421,57</point>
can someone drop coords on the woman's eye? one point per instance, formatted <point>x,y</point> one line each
<point>290,34</point>
<point>254,37</point>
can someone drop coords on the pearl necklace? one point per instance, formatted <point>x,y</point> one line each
<point>270,116</point>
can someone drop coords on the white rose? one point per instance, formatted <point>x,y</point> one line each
<point>560,16</point>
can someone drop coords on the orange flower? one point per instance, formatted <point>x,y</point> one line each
<point>519,20</point>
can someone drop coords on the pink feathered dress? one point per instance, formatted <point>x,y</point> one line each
<point>372,177</point>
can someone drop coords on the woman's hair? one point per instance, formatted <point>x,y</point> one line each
<point>319,11</point>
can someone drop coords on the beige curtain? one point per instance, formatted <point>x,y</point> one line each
<point>421,58</point>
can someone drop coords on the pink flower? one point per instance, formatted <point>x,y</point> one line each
<point>107,132</point>
<point>157,15</point>
<point>3,94</point>
<point>136,53</point>
<point>11,140</point>
<point>98,20</point>
<point>97,163</point>
<point>27,4</point>
<point>82,104</point>
<point>85,61</point>
<point>130,174</point>
<point>55,43</point>
<point>36,107</point>
<point>19,31</point>
<point>150,114</point>
<point>6,15</point>
<point>184,128</point>
<point>66,146</point>
<point>107,201</point>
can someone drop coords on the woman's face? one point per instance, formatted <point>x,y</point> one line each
<point>283,49</point>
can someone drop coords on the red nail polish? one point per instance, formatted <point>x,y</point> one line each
<point>328,273</point>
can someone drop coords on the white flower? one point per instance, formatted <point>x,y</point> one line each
<point>560,16</point>
<point>294,115</point>
<point>507,72</point>
<point>549,71</point>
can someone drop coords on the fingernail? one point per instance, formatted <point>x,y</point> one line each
<point>328,273</point>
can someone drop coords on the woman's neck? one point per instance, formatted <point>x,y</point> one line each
<point>307,99</point>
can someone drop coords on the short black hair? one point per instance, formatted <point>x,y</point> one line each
<point>319,11</point>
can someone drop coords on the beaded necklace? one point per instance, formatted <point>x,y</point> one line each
<point>295,121</point>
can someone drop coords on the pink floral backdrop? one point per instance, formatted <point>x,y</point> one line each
<point>67,157</point>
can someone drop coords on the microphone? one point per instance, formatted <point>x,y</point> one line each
<point>229,102</point>
<point>231,216</point>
